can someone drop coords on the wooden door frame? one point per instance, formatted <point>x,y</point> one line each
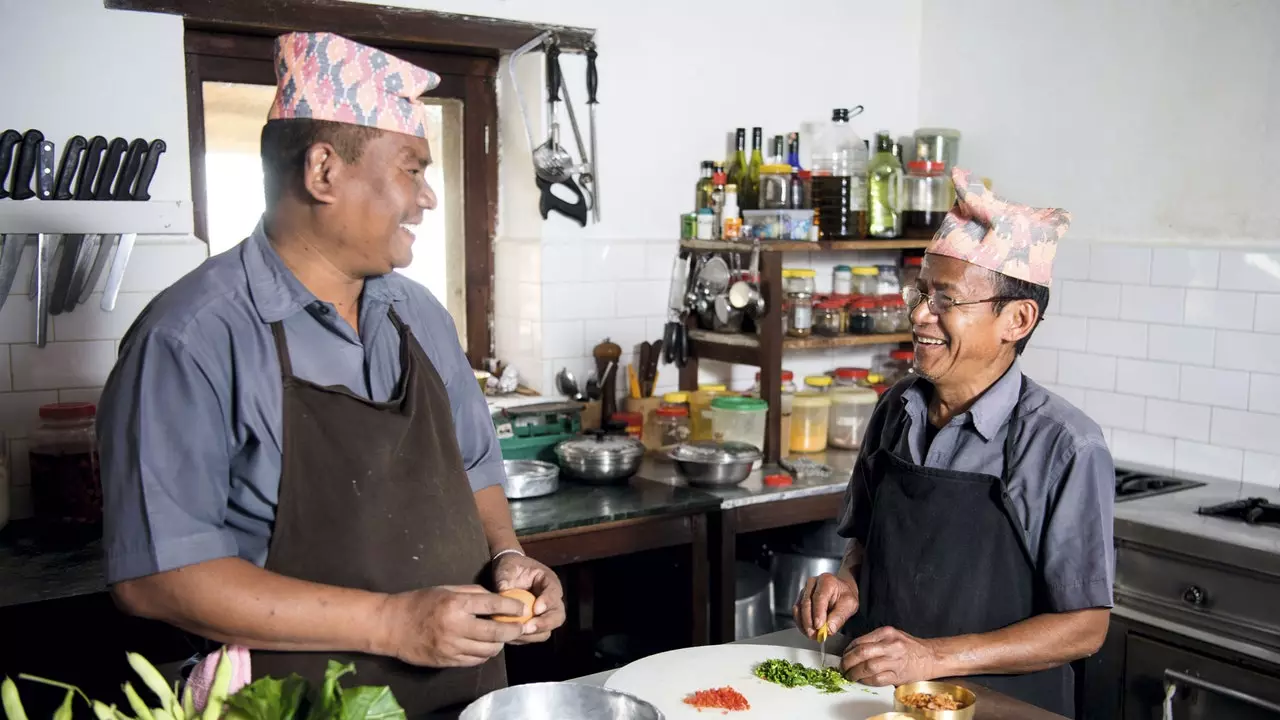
<point>234,57</point>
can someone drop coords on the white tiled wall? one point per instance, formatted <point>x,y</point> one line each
<point>1174,351</point>
<point>74,364</point>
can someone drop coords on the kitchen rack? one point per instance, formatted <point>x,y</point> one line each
<point>149,217</point>
<point>765,350</point>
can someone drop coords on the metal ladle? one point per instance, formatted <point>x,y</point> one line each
<point>550,159</point>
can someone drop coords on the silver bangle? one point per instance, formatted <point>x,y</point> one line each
<point>508,551</point>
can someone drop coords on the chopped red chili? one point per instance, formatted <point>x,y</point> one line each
<point>725,698</point>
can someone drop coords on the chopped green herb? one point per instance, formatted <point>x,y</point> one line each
<point>789,674</point>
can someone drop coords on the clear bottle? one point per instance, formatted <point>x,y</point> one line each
<point>718,182</point>
<point>839,185</point>
<point>926,195</point>
<point>779,154</point>
<point>702,196</point>
<point>884,190</point>
<point>66,489</point>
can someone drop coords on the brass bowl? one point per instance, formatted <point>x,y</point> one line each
<point>964,696</point>
<point>893,716</point>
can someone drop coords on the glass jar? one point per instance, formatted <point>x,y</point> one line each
<point>677,398</point>
<point>927,199</point>
<point>788,383</point>
<point>911,270</point>
<point>865,280</point>
<point>739,419</point>
<point>802,195</point>
<point>66,489</point>
<point>862,316</point>
<point>706,224</point>
<point>700,410</point>
<point>810,415</point>
<point>800,315</point>
<point>828,318</point>
<point>848,377</point>
<point>842,280</point>
<point>888,281</point>
<point>886,321</point>
<point>671,425</point>
<point>898,307</point>
<point>898,365</point>
<point>799,280</point>
<point>634,422</point>
<point>817,383</point>
<point>775,187</point>
<point>851,410</point>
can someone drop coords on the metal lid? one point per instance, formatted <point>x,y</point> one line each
<point>718,453</point>
<point>600,447</point>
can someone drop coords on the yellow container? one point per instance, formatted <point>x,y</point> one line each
<point>810,413</point>
<point>817,383</point>
<point>700,410</point>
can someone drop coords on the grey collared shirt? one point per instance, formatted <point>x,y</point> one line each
<point>1062,483</point>
<point>190,421</point>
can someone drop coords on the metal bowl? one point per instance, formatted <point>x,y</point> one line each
<point>600,458</point>
<point>967,700</point>
<point>530,478</point>
<point>559,701</point>
<point>714,464</point>
<point>894,716</point>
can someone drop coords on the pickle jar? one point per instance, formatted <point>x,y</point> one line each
<point>66,489</point>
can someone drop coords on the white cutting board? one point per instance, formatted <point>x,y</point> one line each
<point>666,679</point>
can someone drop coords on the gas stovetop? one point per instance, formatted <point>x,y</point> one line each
<point>1131,485</point>
<point>1254,511</point>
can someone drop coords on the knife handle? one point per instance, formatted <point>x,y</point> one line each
<point>25,167</point>
<point>553,72</point>
<point>110,165</point>
<point>46,156</point>
<point>593,79</point>
<point>67,169</point>
<point>129,170</point>
<point>8,141</point>
<point>89,167</point>
<point>142,191</point>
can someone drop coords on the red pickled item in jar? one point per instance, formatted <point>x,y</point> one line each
<point>66,488</point>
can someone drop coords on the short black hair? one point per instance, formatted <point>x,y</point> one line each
<point>285,144</point>
<point>1012,289</point>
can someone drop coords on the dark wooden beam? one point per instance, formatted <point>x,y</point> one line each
<point>378,24</point>
<point>624,537</point>
<point>785,513</point>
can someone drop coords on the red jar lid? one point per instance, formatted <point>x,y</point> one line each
<point>863,302</point>
<point>852,373</point>
<point>673,411</point>
<point>895,301</point>
<point>778,480</point>
<point>903,354</point>
<point>787,376</point>
<point>913,261</point>
<point>830,304</point>
<point>68,411</point>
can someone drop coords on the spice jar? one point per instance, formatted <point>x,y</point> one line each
<point>799,280</point>
<point>888,281</point>
<point>800,317</point>
<point>865,280</point>
<point>775,187</point>
<point>911,270</point>
<point>842,280</point>
<point>847,377</point>
<point>810,415</point>
<point>898,308</point>
<point>851,410</point>
<point>706,224</point>
<point>861,318</point>
<point>671,424</point>
<point>828,318</point>
<point>677,398</point>
<point>63,454</point>
<point>817,383</point>
<point>700,410</point>
<point>886,321</point>
<point>898,365</point>
<point>788,383</point>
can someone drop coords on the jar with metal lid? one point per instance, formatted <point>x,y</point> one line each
<point>865,279</point>
<point>66,489</point>
<point>671,425</point>
<point>886,322</point>
<point>817,383</point>
<point>851,410</point>
<point>862,316</point>
<point>842,280</point>
<point>775,187</point>
<point>700,410</point>
<point>828,318</point>
<point>810,415</point>
<point>898,365</point>
<point>799,280</point>
<point>800,317</point>
<point>739,419</point>
<point>847,377</point>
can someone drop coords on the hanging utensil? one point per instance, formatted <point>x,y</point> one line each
<point>133,184</point>
<point>593,85</point>
<point>552,163</point>
<point>673,333</point>
<point>585,171</point>
<point>40,286</point>
<point>11,245</point>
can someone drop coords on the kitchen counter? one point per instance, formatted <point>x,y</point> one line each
<point>991,704</point>
<point>577,505</point>
<point>32,571</point>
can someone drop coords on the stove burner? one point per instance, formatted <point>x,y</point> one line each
<point>1254,511</point>
<point>1133,485</point>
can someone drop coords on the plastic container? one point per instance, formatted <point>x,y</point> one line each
<point>848,377</point>
<point>678,398</point>
<point>861,318</point>
<point>788,383</point>
<point>739,419</point>
<point>897,366</point>
<point>775,187</point>
<point>838,161</point>
<point>865,280</point>
<point>799,280</point>
<point>842,280</point>
<point>777,224</point>
<point>810,416</point>
<point>700,410</point>
<point>828,317</point>
<point>851,410</point>
<point>928,198</point>
<point>897,307</point>
<point>66,489</point>
<point>818,383</point>
<point>888,281</point>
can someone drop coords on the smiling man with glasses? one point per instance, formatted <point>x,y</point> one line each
<point>979,514</point>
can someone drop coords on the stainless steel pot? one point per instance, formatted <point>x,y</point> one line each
<point>708,463</point>
<point>752,602</point>
<point>791,571</point>
<point>559,701</point>
<point>600,458</point>
<point>530,478</point>
<point>821,539</point>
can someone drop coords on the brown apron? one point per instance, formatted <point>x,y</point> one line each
<point>374,496</point>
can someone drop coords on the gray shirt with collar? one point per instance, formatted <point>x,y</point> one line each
<point>190,420</point>
<point>1062,483</point>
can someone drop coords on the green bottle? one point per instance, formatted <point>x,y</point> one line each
<point>738,163</point>
<point>884,190</point>
<point>750,191</point>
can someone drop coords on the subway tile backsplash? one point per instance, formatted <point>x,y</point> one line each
<point>1185,373</point>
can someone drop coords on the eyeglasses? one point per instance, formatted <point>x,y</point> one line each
<point>939,304</point>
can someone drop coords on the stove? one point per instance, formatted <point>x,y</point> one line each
<point>1131,485</point>
<point>1254,511</point>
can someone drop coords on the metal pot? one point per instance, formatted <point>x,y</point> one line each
<point>821,539</point>
<point>752,602</point>
<point>530,478</point>
<point>600,458</point>
<point>559,701</point>
<point>708,463</point>
<point>791,571</point>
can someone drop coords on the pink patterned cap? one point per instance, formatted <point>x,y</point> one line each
<point>323,76</point>
<point>988,231</point>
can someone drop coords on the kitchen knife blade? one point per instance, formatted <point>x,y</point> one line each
<point>44,258</point>
<point>89,168</point>
<point>123,248</point>
<point>83,270</point>
<point>24,166</point>
<point>67,168</point>
<point>142,191</point>
<point>110,167</point>
<point>70,256</point>
<point>11,247</point>
<point>123,189</point>
<point>106,247</point>
<point>10,140</point>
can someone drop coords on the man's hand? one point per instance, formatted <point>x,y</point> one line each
<point>888,656</point>
<point>447,626</point>
<point>826,600</point>
<point>513,571</point>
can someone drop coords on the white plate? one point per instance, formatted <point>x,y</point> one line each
<point>668,678</point>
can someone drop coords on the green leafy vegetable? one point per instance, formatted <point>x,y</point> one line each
<point>268,699</point>
<point>12,703</point>
<point>789,674</point>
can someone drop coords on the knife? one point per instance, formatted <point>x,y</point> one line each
<point>9,141</point>
<point>110,166</point>
<point>44,258</point>
<point>73,245</point>
<point>822,645</point>
<point>25,166</point>
<point>89,168</point>
<point>11,247</point>
<point>129,169</point>
<point>142,191</point>
<point>124,244</point>
<point>67,168</point>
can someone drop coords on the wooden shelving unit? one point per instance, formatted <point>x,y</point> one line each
<point>766,349</point>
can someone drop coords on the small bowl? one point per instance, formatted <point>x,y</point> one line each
<point>711,464</point>
<point>894,716</point>
<point>964,696</point>
<point>530,478</point>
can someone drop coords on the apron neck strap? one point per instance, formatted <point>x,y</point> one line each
<point>282,346</point>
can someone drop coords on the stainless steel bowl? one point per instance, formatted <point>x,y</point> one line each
<point>559,701</point>
<point>530,478</point>
<point>600,459</point>
<point>714,464</point>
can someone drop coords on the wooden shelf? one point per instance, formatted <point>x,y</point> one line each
<point>817,342</point>
<point>744,349</point>
<point>803,246</point>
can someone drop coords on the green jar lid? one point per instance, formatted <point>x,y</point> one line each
<point>740,404</point>
<point>843,268</point>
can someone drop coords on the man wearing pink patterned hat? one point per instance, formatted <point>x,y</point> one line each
<point>296,458</point>
<point>979,514</point>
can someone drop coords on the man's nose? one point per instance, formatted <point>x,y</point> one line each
<point>921,314</point>
<point>427,198</point>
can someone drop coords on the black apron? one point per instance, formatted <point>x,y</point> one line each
<point>946,555</point>
<point>373,495</point>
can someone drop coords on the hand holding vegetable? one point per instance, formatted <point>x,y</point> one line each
<point>447,626</point>
<point>514,571</point>
<point>826,600</point>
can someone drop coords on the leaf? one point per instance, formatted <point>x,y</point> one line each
<point>151,678</point>
<point>221,684</point>
<point>135,701</point>
<point>12,702</point>
<point>370,703</point>
<point>269,699</point>
<point>64,710</point>
<point>328,704</point>
<point>188,703</point>
<point>103,711</point>
<point>161,714</point>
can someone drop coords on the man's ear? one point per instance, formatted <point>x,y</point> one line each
<point>1020,318</point>
<point>323,169</point>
